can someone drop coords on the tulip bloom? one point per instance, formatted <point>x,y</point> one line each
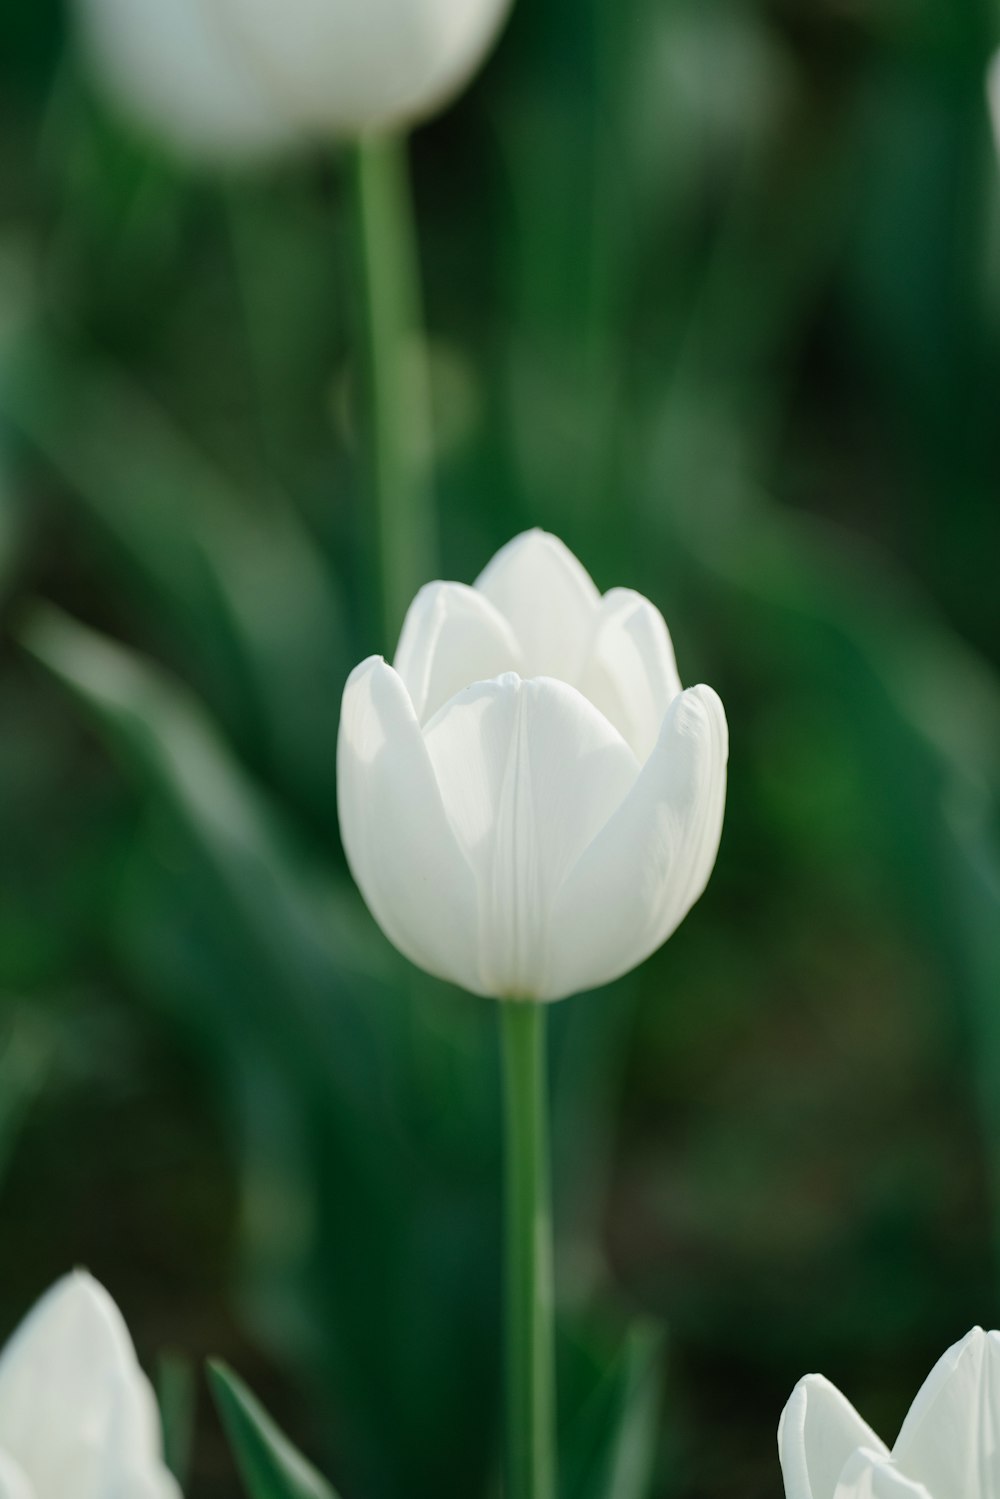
<point>172,68</point>
<point>77,1415</point>
<point>947,1446</point>
<point>239,78</point>
<point>528,801</point>
<point>347,66</point>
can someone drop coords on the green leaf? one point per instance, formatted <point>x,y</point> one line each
<point>175,1395</point>
<point>269,1465</point>
<point>609,1450</point>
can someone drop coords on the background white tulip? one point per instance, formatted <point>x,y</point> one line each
<point>77,1414</point>
<point>345,66</point>
<point>241,78</point>
<point>175,70</point>
<point>528,801</point>
<point>948,1444</point>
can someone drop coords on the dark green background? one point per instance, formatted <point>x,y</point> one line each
<point>713,291</point>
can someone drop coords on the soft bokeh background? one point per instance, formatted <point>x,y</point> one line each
<point>712,291</point>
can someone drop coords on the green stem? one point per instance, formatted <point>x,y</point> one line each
<point>531,1445</point>
<point>396,411</point>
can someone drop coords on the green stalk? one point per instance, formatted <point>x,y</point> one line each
<point>530,1362</point>
<point>396,408</point>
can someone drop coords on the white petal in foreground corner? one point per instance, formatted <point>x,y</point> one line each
<point>949,1443</point>
<point>818,1431</point>
<point>347,66</point>
<point>176,73</point>
<point>77,1415</point>
<point>868,1475</point>
<point>993,96</point>
<point>950,1439</point>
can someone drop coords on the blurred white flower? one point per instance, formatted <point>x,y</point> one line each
<point>947,1446</point>
<point>528,801</point>
<point>345,66</point>
<point>232,78</point>
<point>77,1415</point>
<point>172,67</point>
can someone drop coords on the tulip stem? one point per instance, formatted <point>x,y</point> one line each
<point>530,1361</point>
<point>396,402</point>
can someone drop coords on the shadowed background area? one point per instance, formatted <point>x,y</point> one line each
<point>712,291</point>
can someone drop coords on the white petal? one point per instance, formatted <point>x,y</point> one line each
<point>13,1484</point>
<point>644,871</point>
<point>872,1475</point>
<point>950,1440</point>
<point>452,636</point>
<point>818,1431</point>
<point>630,673</point>
<point>397,838</point>
<point>175,71</point>
<point>548,598</point>
<point>70,1387</point>
<point>338,67</point>
<point>528,771</point>
<point>993,95</point>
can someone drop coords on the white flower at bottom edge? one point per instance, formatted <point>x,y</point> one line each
<point>529,802</point>
<point>948,1447</point>
<point>77,1415</point>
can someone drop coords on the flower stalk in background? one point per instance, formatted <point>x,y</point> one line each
<point>530,804</point>
<point>77,1415</point>
<point>947,1445</point>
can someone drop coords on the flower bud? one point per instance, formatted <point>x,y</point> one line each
<point>529,802</point>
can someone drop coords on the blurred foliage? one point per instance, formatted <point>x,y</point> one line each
<point>712,291</point>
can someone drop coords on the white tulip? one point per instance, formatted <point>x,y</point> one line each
<point>947,1448</point>
<point>346,66</point>
<point>172,67</point>
<point>77,1415</point>
<point>528,801</point>
<point>232,78</point>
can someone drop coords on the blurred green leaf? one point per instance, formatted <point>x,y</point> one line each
<point>232,584</point>
<point>610,1448</point>
<point>270,1466</point>
<point>175,1394</point>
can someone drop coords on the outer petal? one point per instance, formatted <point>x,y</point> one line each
<point>631,673</point>
<point>871,1475</point>
<point>549,599</point>
<point>528,771</point>
<point>175,71</point>
<point>452,636</point>
<point>353,67</point>
<point>644,871</point>
<point>818,1431</point>
<point>950,1440</point>
<point>398,840</point>
<point>73,1399</point>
